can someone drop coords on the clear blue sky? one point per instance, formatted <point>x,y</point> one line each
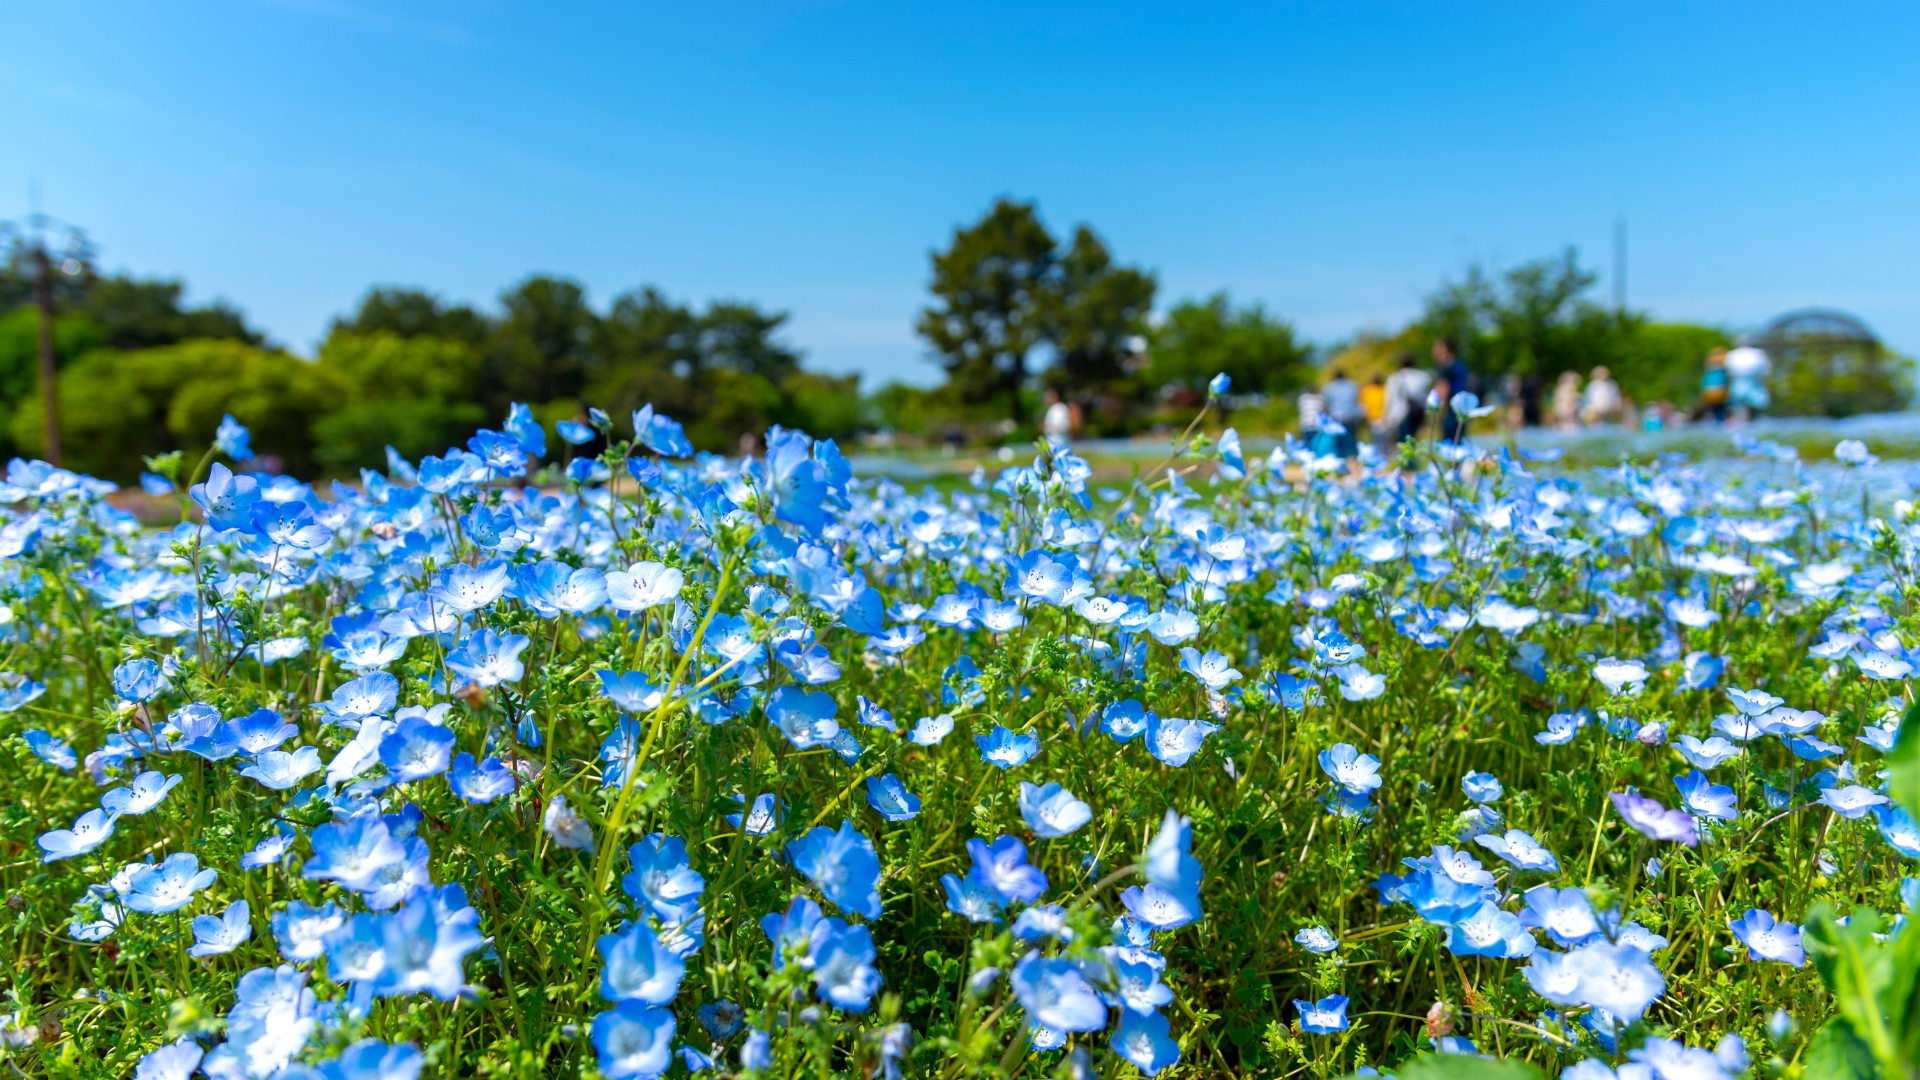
<point>1332,160</point>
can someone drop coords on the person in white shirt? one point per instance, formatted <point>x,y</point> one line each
<point>1407,390</point>
<point>1057,422</point>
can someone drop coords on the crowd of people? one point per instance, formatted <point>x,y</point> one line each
<point>1390,409</point>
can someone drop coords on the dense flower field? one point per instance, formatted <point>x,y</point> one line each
<point>660,763</point>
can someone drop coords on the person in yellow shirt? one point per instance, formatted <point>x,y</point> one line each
<point>1373,401</point>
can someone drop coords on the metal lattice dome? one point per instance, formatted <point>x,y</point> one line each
<point>1815,328</point>
<point>1829,363</point>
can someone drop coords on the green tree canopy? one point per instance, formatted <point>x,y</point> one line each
<point>1199,339</point>
<point>1097,305</point>
<point>993,287</point>
<point>410,312</point>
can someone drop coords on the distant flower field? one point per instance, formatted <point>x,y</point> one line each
<point>572,753</point>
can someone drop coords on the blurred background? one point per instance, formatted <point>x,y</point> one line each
<point>931,232</point>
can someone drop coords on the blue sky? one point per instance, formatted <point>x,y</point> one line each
<point>1334,161</point>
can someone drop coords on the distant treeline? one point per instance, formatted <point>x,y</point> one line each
<point>1014,312</point>
<point>140,374</point>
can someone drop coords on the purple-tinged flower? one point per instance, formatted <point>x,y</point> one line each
<point>1653,820</point>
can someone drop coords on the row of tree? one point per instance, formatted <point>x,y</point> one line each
<point>141,373</point>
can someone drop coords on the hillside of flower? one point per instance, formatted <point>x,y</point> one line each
<point>572,752</point>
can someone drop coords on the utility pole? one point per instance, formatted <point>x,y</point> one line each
<point>1620,264</point>
<point>49,387</point>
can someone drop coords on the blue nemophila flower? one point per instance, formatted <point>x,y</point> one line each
<point>1173,627</point>
<point>141,795</point>
<point>573,433</point>
<point>661,435</point>
<point>465,589</point>
<point>1852,802</point>
<point>260,731</point>
<point>233,439</point>
<point>1056,994</point>
<point>1787,723</point>
<point>1043,575</point>
<point>874,716</point>
<point>1813,748</point>
<point>480,782</point>
<point>416,749</point>
<point>280,770</point>
<point>552,588</point>
<point>1005,749</point>
<point>1359,684</point>
<point>1564,914</point>
<point>175,1061</point>
<point>89,831</point>
<point>760,819</point>
<point>1169,865</point>
<point>566,826</point>
<point>633,1040</point>
<point>842,960</point>
<point>1214,670</point>
<point>1520,849</point>
<point>1753,702</point>
<point>842,865</point>
<point>488,659</point>
<point>930,730</point>
<point>722,1019</point>
<point>138,680</point>
<point>354,852</point>
<point>1352,770</point>
<point>972,897</point>
<point>804,717</point>
<point>632,691</point>
<point>301,931</point>
<point>17,690</point>
<point>1619,979</point>
<point>636,967</point>
<point>226,499</point>
<point>1769,939</point>
<point>1490,931</point>
<point>1051,811</point>
<point>1705,799</point>
<point>426,944</point>
<point>368,695</point>
<point>791,931</point>
<point>1042,921</point>
<point>1146,1041</point>
<point>1621,677</point>
<point>523,427</point>
<point>664,879</point>
<point>1123,720</point>
<point>1173,740</point>
<point>1316,939</point>
<point>501,453</point>
<point>1481,787</point>
<point>1653,820</point>
<point>1323,1017</point>
<point>1003,866</point>
<point>167,887</point>
<point>268,851</point>
<point>223,933</point>
<point>1710,754</point>
<point>50,750</point>
<point>891,798</point>
<point>1899,829</point>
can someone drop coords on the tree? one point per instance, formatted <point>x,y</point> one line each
<point>992,285</point>
<point>541,349</point>
<point>410,312</point>
<point>415,394</point>
<point>1096,306</point>
<point>1202,338</point>
<point>1536,320</point>
<point>135,314</point>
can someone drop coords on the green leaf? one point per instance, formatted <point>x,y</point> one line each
<point>1904,764</point>
<point>1838,1054</point>
<point>1466,1067</point>
<point>1860,973</point>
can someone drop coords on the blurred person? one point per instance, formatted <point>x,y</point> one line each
<point>1342,402</point>
<point>1602,404</point>
<point>1530,390</point>
<point>1373,402</point>
<point>1452,377</point>
<point>1057,422</point>
<point>1747,369</point>
<point>1713,388</point>
<point>1566,402</point>
<point>1406,410</point>
<point>1312,407</point>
